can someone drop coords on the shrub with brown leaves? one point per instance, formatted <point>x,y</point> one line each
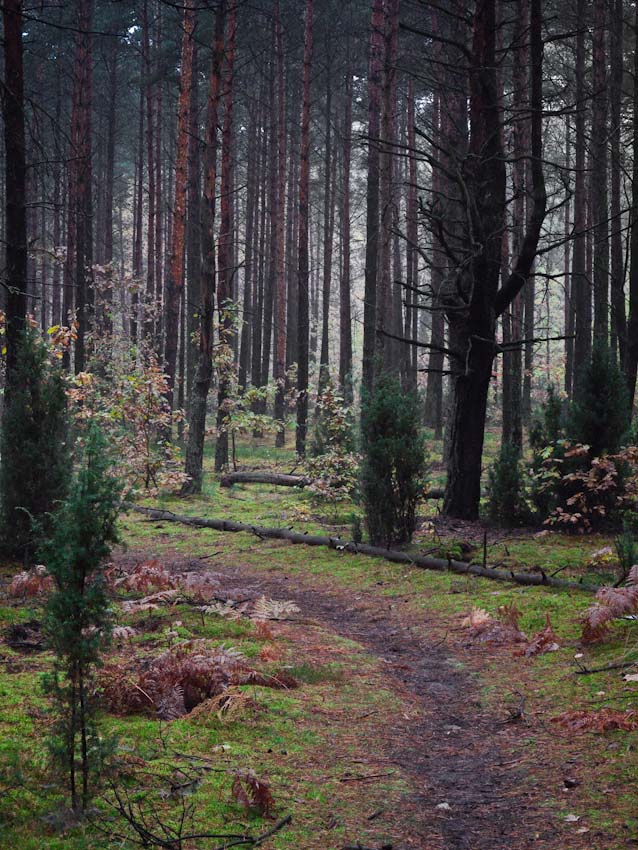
<point>612,603</point>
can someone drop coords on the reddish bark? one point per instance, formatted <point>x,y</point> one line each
<point>176,267</point>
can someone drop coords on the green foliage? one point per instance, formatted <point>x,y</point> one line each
<point>127,396</point>
<point>333,426</point>
<point>332,465</point>
<point>507,504</point>
<point>394,462</point>
<point>77,620</point>
<point>599,415</point>
<point>34,445</point>
<point>626,545</point>
<point>548,425</point>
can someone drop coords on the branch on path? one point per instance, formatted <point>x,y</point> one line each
<point>393,555</point>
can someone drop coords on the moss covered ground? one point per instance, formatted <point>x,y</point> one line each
<point>312,743</point>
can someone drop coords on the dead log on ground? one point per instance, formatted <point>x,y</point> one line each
<point>281,479</point>
<point>393,555</point>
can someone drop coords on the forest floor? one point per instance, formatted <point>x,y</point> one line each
<point>406,729</point>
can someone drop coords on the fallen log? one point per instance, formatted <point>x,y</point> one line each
<point>286,479</point>
<point>393,555</point>
<point>281,479</point>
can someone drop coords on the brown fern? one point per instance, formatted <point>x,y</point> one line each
<point>253,793</point>
<point>30,583</point>
<point>612,603</point>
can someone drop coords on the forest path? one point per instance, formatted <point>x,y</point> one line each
<point>457,752</point>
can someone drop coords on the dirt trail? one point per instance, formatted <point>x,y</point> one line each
<point>457,753</point>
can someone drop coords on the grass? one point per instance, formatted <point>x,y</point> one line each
<point>305,741</point>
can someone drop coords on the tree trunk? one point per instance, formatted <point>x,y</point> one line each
<point>194,455</point>
<point>15,233</point>
<point>280,233</point>
<point>372,197</point>
<point>632,325</point>
<point>304,181</point>
<point>151,295</point>
<point>345,314</point>
<point>617,280</point>
<point>175,281</point>
<point>472,330</point>
<point>598,175</point>
<point>225,310</point>
<point>193,298</point>
<point>580,284</point>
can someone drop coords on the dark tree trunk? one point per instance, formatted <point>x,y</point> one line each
<point>328,201</point>
<point>345,314</point>
<point>15,183</point>
<point>385,345</point>
<point>372,197</point>
<point>225,310</point>
<point>280,317</point>
<point>151,295</point>
<point>193,299</point>
<point>194,455</point>
<point>632,325</point>
<point>598,176</point>
<point>304,181</point>
<point>175,281</point>
<point>82,165</point>
<point>472,330</point>
<point>580,282</point>
<point>617,280</point>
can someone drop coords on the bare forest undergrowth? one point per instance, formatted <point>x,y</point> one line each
<point>471,732</point>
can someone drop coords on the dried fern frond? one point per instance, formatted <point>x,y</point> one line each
<point>273,609</point>
<point>253,793</point>
<point>171,704</point>
<point>122,633</point>
<point>603,720</point>
<point>222,609</point>
<point>150,603</point>
<point>542,642</point>
<point>483,628</point>
<point>225,707</point>
<point>280,680</point>
<point>30,583</point>
<point>146,576</point>
<point>612,603</point>
<point>199,586</point>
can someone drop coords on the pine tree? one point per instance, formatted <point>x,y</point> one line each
<point>77,617</point>
<point>394,462</point>
<point>599,414</point>
<point>34,447</point>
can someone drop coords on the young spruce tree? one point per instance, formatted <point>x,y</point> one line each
<point>77,617</point>
<point>394,462</point>
<point>35,458</point>
<point>599,415</point>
